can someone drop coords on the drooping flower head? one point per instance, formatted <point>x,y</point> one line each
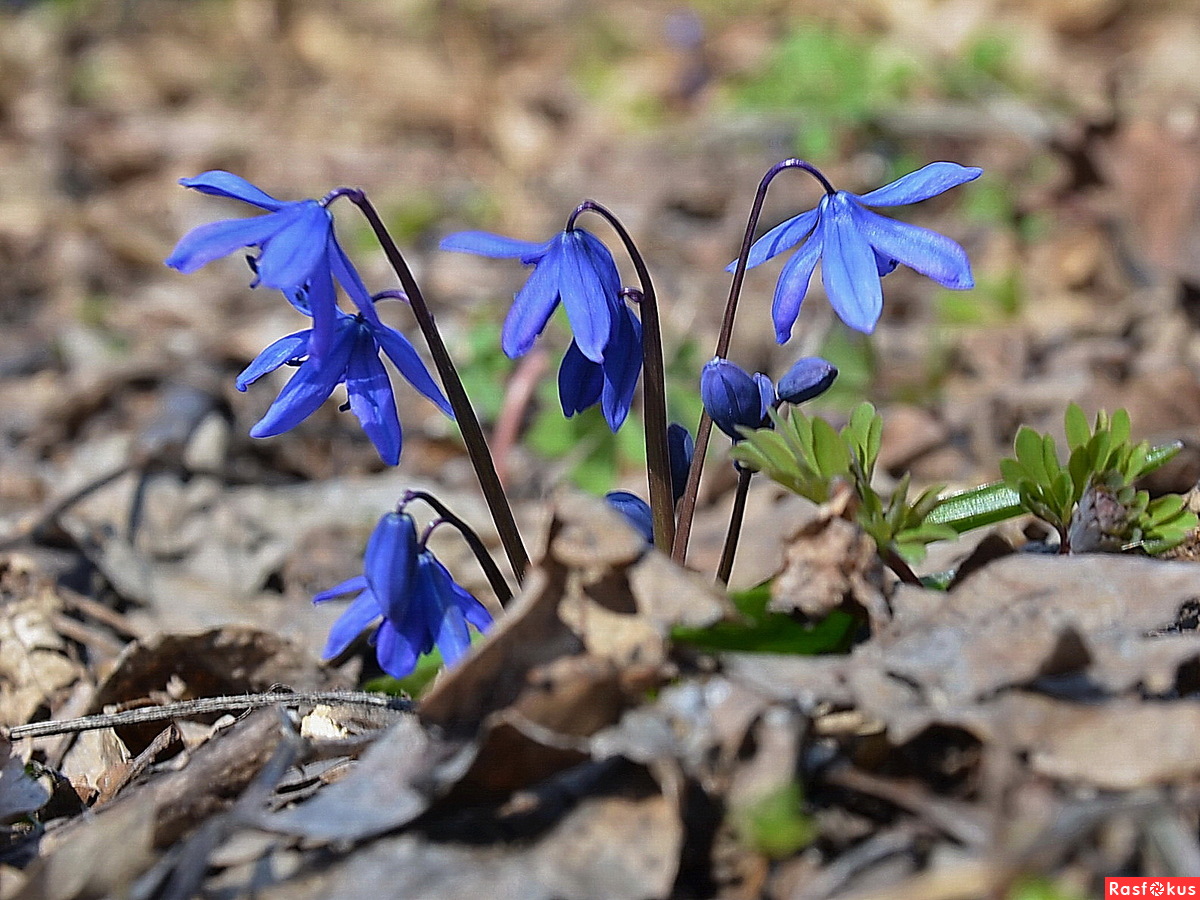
<point>420,603</point>
<point>295,241</point>
<point>733,397</point>
<point>352,359</point>
<point>736,399</point>
<point>809,377</point>
<point>574,267</point>
<point>612,383</point>
<point>857,247</point>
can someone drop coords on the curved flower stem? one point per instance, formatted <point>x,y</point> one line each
<point>464,413</point>
<point>725,568</point>
<point>687,503</point>
<point>490,569</point>
<point>654,394</point>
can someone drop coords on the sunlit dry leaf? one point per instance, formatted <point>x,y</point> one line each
<point>830,563</point>
<point>35,669</point>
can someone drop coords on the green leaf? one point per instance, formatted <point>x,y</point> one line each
<point>1079,466</point>
<point>976,507</point>
<point>769,632</point>
<point>1119,428</point>
<point>1028,447</point>
<point>1161,454</point>
<point>1050,459</point>
<point>1078,432</point>
<point>832,456</point>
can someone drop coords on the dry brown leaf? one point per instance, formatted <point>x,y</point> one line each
<point>828,564</point>
<point>35,668</point>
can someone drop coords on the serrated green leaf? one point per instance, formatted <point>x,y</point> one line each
<point>1078,432</point>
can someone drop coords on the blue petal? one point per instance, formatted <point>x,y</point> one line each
<point>585,284</point>
<point>884,265</point>
<point>601,261</point>
<point>404,356</point>
<point>312,384</point>
<point>349,586</point>
<point>371,399</point>
<point>848,268</point>
<point>580,382</point>
<point>348,277</point>
<point>350,624</point>
<point>621,367</point>
<point>473,611</point>
<point>680,449</point>
<point>397,649</point>
<point>293,346</point>
<point>445,619</point>
<point>484,243</point>
<point>922,184</point>
<point>732,397</point>
<point>792,286</point>
<point>322,306</point>
<point>766,396</point>
<point>290,256</point>
<point>202,245</point>
<point>532,307</point>
<point>928,252</point>
<point>809,377</point>
<point>226,184</point>
<point>389,562</point>
<point>635,510</point>
<point>780,238</point>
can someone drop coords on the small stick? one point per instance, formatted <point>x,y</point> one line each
<point>186,708</point>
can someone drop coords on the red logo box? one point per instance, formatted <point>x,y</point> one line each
<point>1140,886</point>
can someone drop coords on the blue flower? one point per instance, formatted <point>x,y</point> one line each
<point>583,383</point>
<point>574,267</point>
<point>636,511</point>
<point>419,601</point>
<point>857,247</point>
<point>292,238</point>
<point>352,358</point>
<point>809,377</point>
<point>734,398</point>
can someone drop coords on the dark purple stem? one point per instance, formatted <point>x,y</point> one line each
<point>654,395</point>
<point>725,567</point>
<point>464,413</point>
<point>687,503</point>
<point>490,569</point>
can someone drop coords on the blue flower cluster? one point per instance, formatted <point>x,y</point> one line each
<point>299,255</point>
<point>736,400</point>
<point>403,586</point>
<point>420,603</point>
